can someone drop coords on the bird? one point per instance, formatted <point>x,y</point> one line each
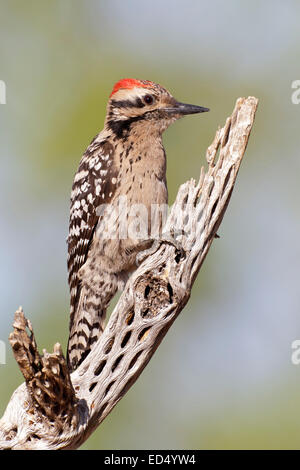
<point>126,159</point>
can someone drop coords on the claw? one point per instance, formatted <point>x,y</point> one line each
<point>140,257</point>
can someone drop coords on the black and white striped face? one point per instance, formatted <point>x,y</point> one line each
<point>137,101</point>
<point>150,104</point>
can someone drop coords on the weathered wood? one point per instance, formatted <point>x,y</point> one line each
<point>53,410</point>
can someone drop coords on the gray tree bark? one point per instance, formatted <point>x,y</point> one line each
<point>55,410</point>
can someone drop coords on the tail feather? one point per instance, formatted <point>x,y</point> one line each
<point>88,321</point>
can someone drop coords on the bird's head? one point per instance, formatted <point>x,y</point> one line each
<point>141,101</point>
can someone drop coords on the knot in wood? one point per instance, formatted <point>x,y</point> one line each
<point>153,295</point>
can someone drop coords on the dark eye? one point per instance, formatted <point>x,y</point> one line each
<point>148,99</point>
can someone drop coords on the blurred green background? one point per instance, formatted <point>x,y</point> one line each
<point>223,377</point>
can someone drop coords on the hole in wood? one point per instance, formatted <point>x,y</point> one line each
<point>117,362</point>
<point>129,318</point>
<point>102,409</point>
<point>109,346</point>
<point>100,368</point>
<point>33,436</point>
<point>133,361</point>
<point>194,261</point>
<point>185,200</point>
<point>46,398</point>
<point>109,387</point>
<point>143,334</point>
<point>147,291</point>
<point>170,290</point>
<point>145,312</point>
<point>214,207</point>
<point>126,339</point>
<point>178,257</point>
<point>92,386</point>
<point>31,349</point>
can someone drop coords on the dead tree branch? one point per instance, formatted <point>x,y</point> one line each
<point>55,410</point>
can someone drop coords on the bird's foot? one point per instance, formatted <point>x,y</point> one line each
<point>166,238</point>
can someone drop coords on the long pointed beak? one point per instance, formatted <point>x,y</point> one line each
<point>184,108</point>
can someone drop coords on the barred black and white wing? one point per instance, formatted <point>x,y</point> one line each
<point>91,188</point>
